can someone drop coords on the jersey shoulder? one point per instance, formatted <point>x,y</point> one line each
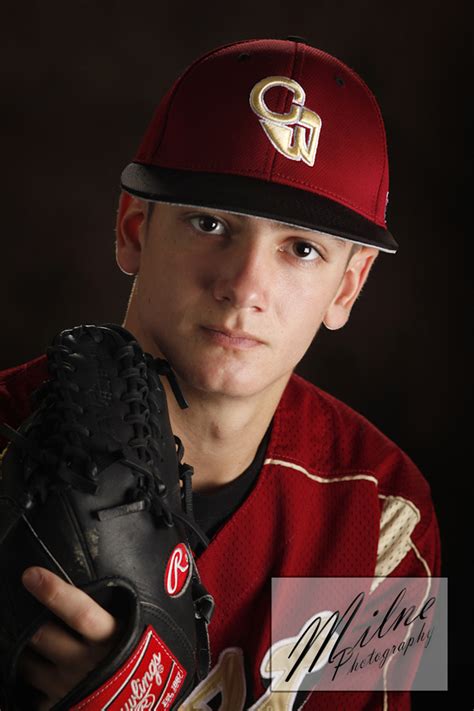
<point>16,385</point>
<point>319,432</point>
<point>330,442</point>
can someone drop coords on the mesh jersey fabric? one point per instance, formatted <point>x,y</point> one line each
<point>334,497</point>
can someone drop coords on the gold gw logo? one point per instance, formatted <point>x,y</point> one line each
<point>287,132</point>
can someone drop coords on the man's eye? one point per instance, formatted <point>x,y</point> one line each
<point>208,223</point>
<point>305,251</point>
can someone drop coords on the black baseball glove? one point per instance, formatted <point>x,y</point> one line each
<point>93,488</point>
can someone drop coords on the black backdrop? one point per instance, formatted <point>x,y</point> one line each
<point>78,85</point>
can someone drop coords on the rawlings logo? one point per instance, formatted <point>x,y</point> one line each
<point>150,679</point>
<point>142,697</point>
<point>177,570</point>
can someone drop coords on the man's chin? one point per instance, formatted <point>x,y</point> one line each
<point>222,385</point>
<point>235,386</point>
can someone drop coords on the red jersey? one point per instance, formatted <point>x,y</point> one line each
<point>335,497</point>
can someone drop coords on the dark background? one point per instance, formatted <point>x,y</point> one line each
<point>78,85</point>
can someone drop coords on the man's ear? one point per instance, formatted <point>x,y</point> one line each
<point>130,233</point>
<point>354,278</point>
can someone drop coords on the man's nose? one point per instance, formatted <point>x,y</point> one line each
<point>243,276</point>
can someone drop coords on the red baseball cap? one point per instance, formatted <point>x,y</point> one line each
<point>275,129</point>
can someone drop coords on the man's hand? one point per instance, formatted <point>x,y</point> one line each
<point>59,657</point>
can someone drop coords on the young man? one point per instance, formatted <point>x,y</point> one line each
<point>253,214</point>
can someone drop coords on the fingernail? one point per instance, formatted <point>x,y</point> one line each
<point>32,578</point>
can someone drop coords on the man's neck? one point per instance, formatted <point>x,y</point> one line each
<point>220,435</point>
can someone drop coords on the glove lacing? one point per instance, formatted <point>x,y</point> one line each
<point>54,441</point>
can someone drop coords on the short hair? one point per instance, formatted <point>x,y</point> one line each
<point>149,214</point>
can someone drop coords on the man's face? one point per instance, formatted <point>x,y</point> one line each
<point>233,302</point>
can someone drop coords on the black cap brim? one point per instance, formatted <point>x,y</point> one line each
<point>251,196</point>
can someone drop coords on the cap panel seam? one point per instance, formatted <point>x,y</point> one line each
<point>165,119</point>
<point>281,103</point>
<point>383,139</point>
<point>385,152</point>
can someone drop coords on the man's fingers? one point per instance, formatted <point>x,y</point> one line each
<point>47,685</point>
<point>58,645</point>
<point>55,661</point>
<point>35,669</point>
<point>71,605</point>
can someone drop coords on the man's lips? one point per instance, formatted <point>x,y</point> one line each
<point>233,338</point>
